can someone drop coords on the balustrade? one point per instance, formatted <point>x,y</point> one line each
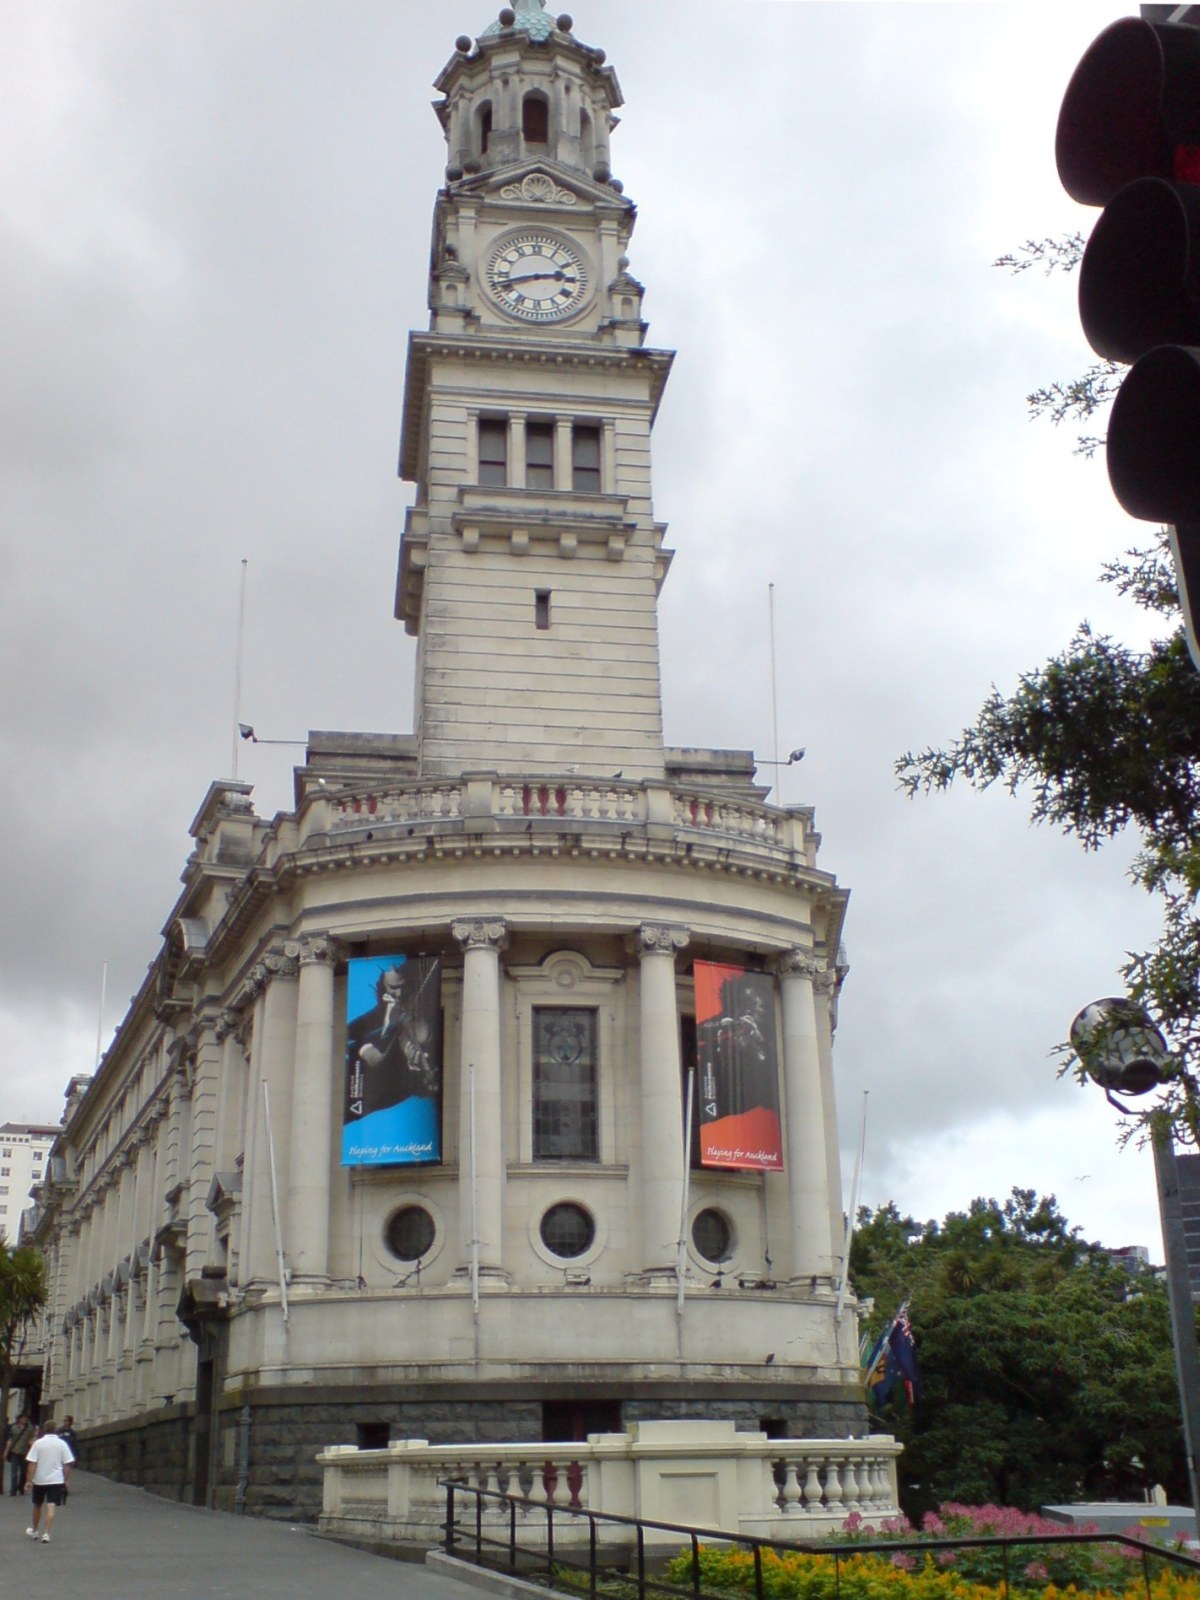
<point>791,1488</point>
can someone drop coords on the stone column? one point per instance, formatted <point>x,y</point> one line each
<point>205,1090</point>
<point>273,979</point>
<point>662,1097</point>
<point>312,1097</point>
<point>808,1185</point>
<point>482,942</point>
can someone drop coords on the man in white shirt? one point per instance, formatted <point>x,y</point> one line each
<point>47,1468</point>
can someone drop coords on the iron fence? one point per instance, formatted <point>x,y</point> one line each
<point>534,1523</point>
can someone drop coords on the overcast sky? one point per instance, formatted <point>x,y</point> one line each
<point>213,242</point>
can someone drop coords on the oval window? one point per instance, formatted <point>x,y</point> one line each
<point>410,1233</point>
<point>712,1235</point>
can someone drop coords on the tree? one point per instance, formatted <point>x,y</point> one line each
<point>1104,737</point>
<point>1046,1371</point>
<point>22,1297</point>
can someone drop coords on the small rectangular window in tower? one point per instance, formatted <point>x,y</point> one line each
<point>541,608</point>
<point>566,1123</point>
<point>493,450</point>
<point>539,455</point>
<point>585,457</point>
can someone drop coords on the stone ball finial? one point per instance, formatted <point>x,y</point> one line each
<point>617,185</point>
<point>463,44</point>
<point>507,17</point>
<point>599,57</point>
<point>601,172</point>
<point>565,23</point>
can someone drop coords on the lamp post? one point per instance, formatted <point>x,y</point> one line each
<point>1120,1049</point>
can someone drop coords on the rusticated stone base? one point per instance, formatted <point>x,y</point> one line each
<point>159,1452</point>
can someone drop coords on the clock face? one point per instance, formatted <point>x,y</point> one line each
<point>537,277</point>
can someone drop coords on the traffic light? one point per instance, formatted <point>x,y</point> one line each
<point>1129,140</point>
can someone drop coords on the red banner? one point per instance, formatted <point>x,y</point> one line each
<point>738,1069</point>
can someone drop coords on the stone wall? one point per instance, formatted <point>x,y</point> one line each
<point>284,1479</point>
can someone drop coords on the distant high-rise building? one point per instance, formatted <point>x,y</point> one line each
<point>24,1147</point>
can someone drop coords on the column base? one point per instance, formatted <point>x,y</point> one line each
<point>489,1277</point>
<point>655,1278</point>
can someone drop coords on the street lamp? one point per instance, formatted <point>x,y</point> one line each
<point>1120,1049</point>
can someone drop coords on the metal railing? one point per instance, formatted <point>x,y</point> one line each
<point>477,1539</point>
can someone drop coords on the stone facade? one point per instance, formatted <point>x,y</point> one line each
<point>227,1296</point>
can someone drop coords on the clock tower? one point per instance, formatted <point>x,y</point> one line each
<point>531,562</point>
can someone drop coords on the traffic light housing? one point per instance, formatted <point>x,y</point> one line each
<point>1129,140</point>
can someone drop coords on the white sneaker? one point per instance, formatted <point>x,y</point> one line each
<point>30,1533</point>
<point>45,1538</point>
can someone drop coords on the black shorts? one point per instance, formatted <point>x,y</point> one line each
<point>49,1494</point>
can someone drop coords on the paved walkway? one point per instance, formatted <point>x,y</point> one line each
<point>111,1542</point>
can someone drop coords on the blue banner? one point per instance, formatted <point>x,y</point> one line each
<point>393,1104</point>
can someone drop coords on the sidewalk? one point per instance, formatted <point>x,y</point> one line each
<point>111,1542</point>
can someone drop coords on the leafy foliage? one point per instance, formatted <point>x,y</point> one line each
<point>1095,388</point>
<point>1047,1373</point>
<point>22,1296</point>
<point>797,1575</point>
<point>1101,738</point>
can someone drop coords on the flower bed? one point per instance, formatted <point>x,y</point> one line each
<point>1034,1571</point>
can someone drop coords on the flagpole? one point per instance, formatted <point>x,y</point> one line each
<point>283,1299</point>
<point>681,1246</point>
<point>474,1198</point>
<point>852,1214</point>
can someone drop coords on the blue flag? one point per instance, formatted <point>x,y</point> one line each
<point>893,1360</point>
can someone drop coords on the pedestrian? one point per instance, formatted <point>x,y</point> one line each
<point>20,1437</point>
<point>67,1434</point>
<point>47,1468</point>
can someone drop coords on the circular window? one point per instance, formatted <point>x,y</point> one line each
<point>567,1230</point>
<point>712,1235</point>
<point>410,1233</point>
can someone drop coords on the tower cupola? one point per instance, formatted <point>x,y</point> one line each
<point>527,89</point>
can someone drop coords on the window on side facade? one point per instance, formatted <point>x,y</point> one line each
<point>539,455</point>
<point>493,450</point>
<point>565,1110</point>
<point>585,457</point>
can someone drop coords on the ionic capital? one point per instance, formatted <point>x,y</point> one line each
<point>282,961</point>
<point>800,963</point>
<point>318,950</point>
<point>224,1023</point>
<point>659,939</point>
<point>481,934</point>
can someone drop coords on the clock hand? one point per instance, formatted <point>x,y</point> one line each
<point>533,277</point>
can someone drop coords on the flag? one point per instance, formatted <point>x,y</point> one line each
<point>893,1360</point>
